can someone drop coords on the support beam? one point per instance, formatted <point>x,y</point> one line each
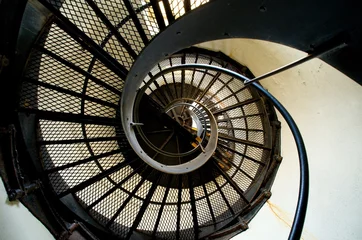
<point>231,182</point>
<point>71,93</point>
<point>183,61</point>
<point>144,206</point>
<point>232,95</point>
<point>170,178</point>
<point>83,161</point>
<point>136,21</point>
<point>74,141</point>
<point>193,206</point>
<point>110,191</point>
<point>218,150</point>
<point>207,197</point>
<point>219,90</point>
<point>239,117</point>
<point>239,104</point>
<point>158,14</point>
<point>213,80</point>
<point>179,200</point>
<point>79,70</point>
<point>201,80</point>
<point>187,5</point>
<point>241,129</point>
<point>242,141</point>
<point>130,196</point>
<point>96,178</point>
<point>112,28</point>
<point>240,154</point>
<point>170,17</point>
<point>223,196</point>
<point>71,117</point>
<point>79,36</point>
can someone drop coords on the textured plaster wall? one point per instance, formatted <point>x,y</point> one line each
<point>327,107</point>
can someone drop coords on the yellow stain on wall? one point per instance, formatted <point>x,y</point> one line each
<point>283,216</point>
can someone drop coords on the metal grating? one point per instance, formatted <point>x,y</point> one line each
<point>60,43</point>
<point>177,8</point>
<point>83,16</point>
<point>197,3</point>
<point>64,154</point>
<point>74,93</point>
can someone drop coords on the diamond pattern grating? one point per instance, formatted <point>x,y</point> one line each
<point>84,151</point>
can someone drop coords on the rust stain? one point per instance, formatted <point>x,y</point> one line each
<point>12,203</point>
<point>280,214</point>
<point>283,217</point>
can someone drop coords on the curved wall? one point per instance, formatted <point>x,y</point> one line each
<point>327,106</point>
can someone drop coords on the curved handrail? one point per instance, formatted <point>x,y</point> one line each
<point>299,217</point>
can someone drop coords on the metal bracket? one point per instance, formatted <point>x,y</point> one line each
<point>66,234</point>
<point>9,166</point>
<point>15,194</point>
<point>278,158</point>
<point>230,231</point>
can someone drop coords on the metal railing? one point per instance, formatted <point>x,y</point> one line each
<point>301,209</point>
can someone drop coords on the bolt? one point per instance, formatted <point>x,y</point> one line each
<point>263,9</point>
<point>12,196</point>
<point>278,158</point>
<point>267,194</point>
<point>243,225</point>
<point>5,62</point>
<point>277,124</point>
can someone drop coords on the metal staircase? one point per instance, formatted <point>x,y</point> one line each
<point>131,133</point>
<point>180,195</point>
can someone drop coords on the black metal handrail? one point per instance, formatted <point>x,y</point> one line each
<point>300,213</point>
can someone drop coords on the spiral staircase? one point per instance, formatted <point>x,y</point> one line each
<point>121,129</point>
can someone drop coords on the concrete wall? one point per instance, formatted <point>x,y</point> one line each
<point>327,107</point>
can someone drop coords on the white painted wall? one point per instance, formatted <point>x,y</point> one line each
<point>16,222</point>
<point>327,107</point>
